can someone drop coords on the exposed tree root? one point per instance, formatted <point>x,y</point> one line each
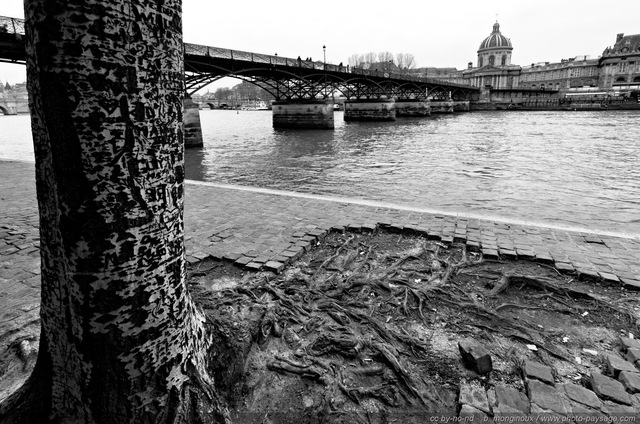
<point>358,325</point>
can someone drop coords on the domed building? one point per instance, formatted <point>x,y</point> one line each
<point>494,69</point>
<point>495,49</point>
<point>620,65</point>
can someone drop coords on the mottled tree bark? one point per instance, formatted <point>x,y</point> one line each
<point>121,339</point>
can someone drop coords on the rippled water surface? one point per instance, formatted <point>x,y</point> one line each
<point>573,169</point>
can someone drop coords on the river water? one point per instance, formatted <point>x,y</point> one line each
<point>563,169</point>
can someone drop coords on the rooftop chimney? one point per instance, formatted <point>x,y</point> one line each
<point>619,37</point>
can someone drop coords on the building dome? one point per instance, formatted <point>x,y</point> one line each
<point>496,40</point>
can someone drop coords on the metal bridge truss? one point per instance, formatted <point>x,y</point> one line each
<point>284,78</point>
<point>294,79</point>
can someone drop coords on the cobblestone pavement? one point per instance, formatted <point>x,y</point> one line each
<point>264,229</point>
<point>614,397</point>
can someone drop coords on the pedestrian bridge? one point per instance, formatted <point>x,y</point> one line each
<point>303,89</point>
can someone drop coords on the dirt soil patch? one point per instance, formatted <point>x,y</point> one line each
<point>365,328</point>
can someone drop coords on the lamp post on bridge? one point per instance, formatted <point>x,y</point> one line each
<point>324,54</point>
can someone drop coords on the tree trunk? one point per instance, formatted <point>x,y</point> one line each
<point>121,339</point>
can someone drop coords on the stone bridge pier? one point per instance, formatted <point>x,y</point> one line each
<point>442,106</point>
<point>303,113</point>
<point>370,110</point>
<point>192,125</point>
<point>413,107</point>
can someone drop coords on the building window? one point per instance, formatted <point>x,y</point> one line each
<point>492,60</point>
<point>480,63</point>
<point>504,59</point>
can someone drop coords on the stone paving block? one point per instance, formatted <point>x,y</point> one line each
<point>609,277</point>
<point>475,356</point>
<point>490,253</point>
<point>281,258</point>
<point>509,400</point>
<point>586,274</point>
<point>538,371</point>
<point>242,261</point>
<point>434,234</point>
<point>317,232</point>
<point>475,396</point>
<point>609,389</point>
<point>224,234</point>
<point>473,246</point>
<point>613,409</point>
<point>526,254</point>
<point>291,254</point>
<point>581,395</point>
<point>633,356</point>
<point>471,414</point>
<point>232,256</point>
<point>630,284</point>
<point>544,257</point>
<point>630,380</point>
<point>356,227</point>
<point>253,266</point>
<point>261,259</point>
<point>565,268</point>
<point>447,239</point>
<point>547,397</point>
<point>508,253</point>
<point>615,365</point>
<point>304,245</point>
<point>337,228</point>
<point>296,249</point>
<point>636,401</point>
<point>628,343</point>
<point>369,227</point>
<point>274,266</point>
<point>200,255</point>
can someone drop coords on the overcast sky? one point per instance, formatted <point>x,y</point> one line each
<point>442,33</point>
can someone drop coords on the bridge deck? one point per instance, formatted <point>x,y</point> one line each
<point>207,63</point>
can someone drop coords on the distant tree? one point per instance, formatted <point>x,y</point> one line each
<point>224,93</point>
<point>383,61</point>
<point>369,59</point>
<point>405,61</point>
<point>385,57</point>
<point>356,60</point>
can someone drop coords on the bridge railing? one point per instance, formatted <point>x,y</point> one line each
<point>16,26</point>
<point>220,53</point>
<point>11,25</point>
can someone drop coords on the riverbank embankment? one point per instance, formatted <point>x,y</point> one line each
<point>265,229</point>
<point>259,229</point>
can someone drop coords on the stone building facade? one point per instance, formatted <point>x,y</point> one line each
<point>576,72</point>
<point>617,68</point>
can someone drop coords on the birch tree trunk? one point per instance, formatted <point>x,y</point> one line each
<point>121,340</point>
